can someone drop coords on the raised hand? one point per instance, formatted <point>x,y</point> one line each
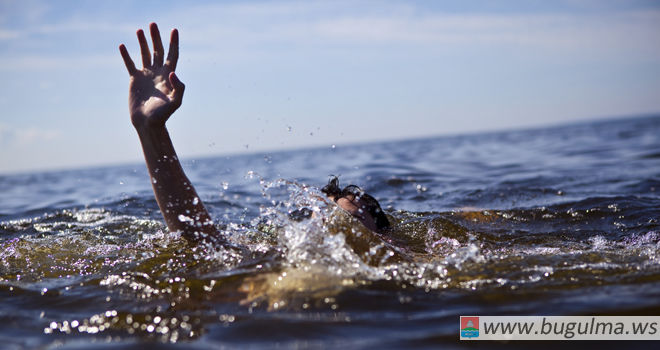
<point>155,91</point>
<point>154,94</point>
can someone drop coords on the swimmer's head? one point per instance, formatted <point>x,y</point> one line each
<point>332,189</point>
<point>359,204</point>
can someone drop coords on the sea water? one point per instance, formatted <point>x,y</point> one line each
<point>551,221</point>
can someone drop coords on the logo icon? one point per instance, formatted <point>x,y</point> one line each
<point>469,326</point>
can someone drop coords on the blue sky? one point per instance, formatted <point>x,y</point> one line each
<point>267,75</point>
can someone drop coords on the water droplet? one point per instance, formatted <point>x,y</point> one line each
<point>184,218</point>
<point>289,128</point>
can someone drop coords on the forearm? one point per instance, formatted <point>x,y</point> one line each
<point>177,199</point>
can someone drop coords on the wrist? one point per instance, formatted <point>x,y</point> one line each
<point>144,125</point>
<point>152,120</point>
<point>152,133</point>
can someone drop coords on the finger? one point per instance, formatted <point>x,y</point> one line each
<point>144,49</point>
<point>159,52</point>
<point>130,66</point>
<point>179,87</point>
<point>173,54</point>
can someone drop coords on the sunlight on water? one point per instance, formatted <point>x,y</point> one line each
<point>113,270</point>
<point>289,264</point>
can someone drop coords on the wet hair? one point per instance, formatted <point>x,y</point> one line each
<point>332,188</point>
<point>368,203</point>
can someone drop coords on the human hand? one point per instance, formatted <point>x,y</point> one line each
<point>155,91</point>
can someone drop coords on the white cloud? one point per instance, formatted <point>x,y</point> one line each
<point>551,31</point>
<point>12,137</point>
<point>224,30</point>
<point>8,34</point>
<point>34,62</point>
<point>299,25</point>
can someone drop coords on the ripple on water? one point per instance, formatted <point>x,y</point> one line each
<point>519,241</point>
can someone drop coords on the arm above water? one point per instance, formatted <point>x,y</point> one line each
<point>155,92</point>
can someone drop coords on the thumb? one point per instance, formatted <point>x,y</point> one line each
<point>178,86</point>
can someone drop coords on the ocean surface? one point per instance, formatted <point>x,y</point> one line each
<point>552,221</point>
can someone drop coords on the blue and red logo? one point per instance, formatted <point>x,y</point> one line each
<point>469,326</point>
